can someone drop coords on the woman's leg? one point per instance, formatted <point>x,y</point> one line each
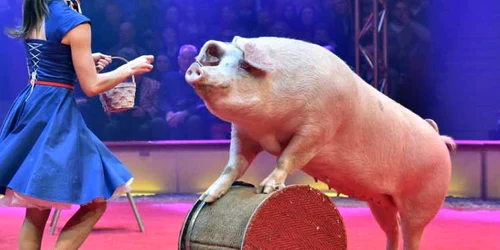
<point>32,229</point>
<point>80,225</point>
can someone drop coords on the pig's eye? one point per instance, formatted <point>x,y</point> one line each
<point>244,65</point>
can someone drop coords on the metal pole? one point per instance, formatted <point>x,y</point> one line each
<point>386,49</point>
<point>375,43</point>
<point>356,34</point>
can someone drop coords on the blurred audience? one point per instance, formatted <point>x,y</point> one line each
<point>127,39</point>
<point>179,102</point>
<point>408,54</point>
<point>494,134</point>
<point>342,28</point>
<point>162,65</point>
<point>173,30</point>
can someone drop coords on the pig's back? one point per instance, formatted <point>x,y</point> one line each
<point>391,133</point>
<point>381,148</point>
<point>373,123</point>
<point>313,82</point>
<point>322,88</point>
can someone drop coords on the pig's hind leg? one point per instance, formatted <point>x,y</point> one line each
<point>388,220</point>
<point>417,211</point>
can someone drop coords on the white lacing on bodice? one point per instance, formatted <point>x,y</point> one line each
<point>34,52</point>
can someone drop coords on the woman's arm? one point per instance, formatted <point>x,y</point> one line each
<point>91,82</point>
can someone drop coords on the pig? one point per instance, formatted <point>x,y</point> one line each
<point>303,104</point>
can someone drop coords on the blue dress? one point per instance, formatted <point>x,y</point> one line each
<point>48,156</point>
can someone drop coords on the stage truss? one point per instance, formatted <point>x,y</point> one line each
<point>379,63</point>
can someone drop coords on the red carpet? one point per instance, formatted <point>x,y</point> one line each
<point>452,229</point>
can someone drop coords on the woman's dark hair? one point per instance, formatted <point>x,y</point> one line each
<point>33,13</point>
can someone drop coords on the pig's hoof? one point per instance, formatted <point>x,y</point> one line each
<point>266,189</point>
<point>212,194</point>
<point>275,181</point>
<point>210,198</point>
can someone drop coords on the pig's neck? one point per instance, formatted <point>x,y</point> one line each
<point>248,112</point>
<point>272,134</point>
<point>259,121</point>
<point>268,139</point>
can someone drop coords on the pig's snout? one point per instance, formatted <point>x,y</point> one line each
<point>194,74</point>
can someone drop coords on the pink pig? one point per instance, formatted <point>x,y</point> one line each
<point>303,104</point>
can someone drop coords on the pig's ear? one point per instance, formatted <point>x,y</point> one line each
<point>210,54</point>
<point>256,57</point>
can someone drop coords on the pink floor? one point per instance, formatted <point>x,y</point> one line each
<point>452,229</point>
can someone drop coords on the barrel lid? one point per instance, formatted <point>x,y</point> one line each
<point>296,217</point>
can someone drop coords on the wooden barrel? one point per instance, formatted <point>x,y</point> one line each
<point>296,217</point>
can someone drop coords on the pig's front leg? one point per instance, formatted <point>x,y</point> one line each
<point>241,154</point>
<point>296,155</point>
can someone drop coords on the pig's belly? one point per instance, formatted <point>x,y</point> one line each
<point>350,181</point>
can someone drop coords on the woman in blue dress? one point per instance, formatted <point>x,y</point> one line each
<point>48,156</point>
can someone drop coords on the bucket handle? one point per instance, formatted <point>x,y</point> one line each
<point>124,60</point>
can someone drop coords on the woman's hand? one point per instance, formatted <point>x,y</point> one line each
<point>101,61</point>
<point>92,83</point>
<point>139,66</point>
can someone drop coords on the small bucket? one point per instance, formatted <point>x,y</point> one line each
<point>121,97</point>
